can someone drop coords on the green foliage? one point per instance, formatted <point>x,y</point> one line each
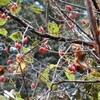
<point>4,2</point>
<point>19,99</point>
<point>29,59</point>
<point>44,76</point>
<point>2,97</point>
<point>53,28</point>
<point>3,31</point>
<point>16,36</point>
<point>2,21</point>
<point>69,75</point>
<point>98,95</point>
<point>36,9</point>
<point>25,50</point>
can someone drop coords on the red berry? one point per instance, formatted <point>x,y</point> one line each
<point>33,85</point>
<point>69,8</point>
<point>62,53</point>
<point>84,21</point>
<point>9,61</point>
<point>66,61</point>
<point>73,69</point>
<point>72,26</point>
<point>6,49</point>
<point>69,67</point>
<point>3,16</point>
<point>16,5</point>
<point>10,70</point>
<point>76,14</point>
<point>70,16</point>
<point>13,8</point>
<point>18,46</point>
<point>42,49</point>
<point>41,29</point>
<point>2,78</point>
<point>75,65</point>
<point>8,17</point>
<point>25,40</point>
<point>9,6</point>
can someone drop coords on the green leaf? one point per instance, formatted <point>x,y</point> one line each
<point>19,99</point>
<point>18,95</point>
<point>98,95</point>
<point>94,72</point>
<point>2,97</point>
<point>2,21</point>
<point>3,31</point>
<point>25,50</point>
<point>29,59</point>
<point>93,63</point>
<point>53,28</point>
<point>4,2</point>
<point>36,9</point>
<point>16,36</point>
<point>69,76</point>
<point>44,76</point>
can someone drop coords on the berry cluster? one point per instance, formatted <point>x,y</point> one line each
<point>43,49</point>
<point>71,16</point>
<point>4,16</point>
<point>72,68</point>
<point>18,45</point>
<point>13,6</point>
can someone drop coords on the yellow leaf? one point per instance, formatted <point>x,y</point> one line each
<point>20,62</point>
<point>22,66</point>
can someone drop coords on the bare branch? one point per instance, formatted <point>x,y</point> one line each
<point>77,81</point>
<point>57,38</point>
<point>93,25</point>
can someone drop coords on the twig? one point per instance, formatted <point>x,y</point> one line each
<point>77,81</point>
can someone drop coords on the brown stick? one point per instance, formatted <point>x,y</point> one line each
<point>93,25</point>
<point>96,5</point>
